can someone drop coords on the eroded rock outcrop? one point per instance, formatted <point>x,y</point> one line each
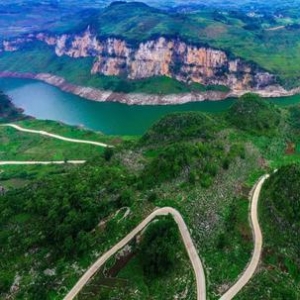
<point>158,57</point>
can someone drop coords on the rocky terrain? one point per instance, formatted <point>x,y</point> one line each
<point>157,57</point>
<point>99,54</point>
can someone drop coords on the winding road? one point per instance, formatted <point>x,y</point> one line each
<point>187,240</point>
<point>258,241</point>
<point>56,136</point>
<point>191,250</point>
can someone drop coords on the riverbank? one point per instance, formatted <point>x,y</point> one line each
<point>99,95</point>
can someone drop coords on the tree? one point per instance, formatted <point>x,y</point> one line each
<point>157,251</point>
<point>108,153</point>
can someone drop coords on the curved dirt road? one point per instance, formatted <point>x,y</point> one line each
<point>56,136</point>
<point>55,162</point>
<point>191,250</point>
<point>258,241</point>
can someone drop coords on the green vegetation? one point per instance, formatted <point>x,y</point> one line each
<point>177,127</point>
<point>7,110</point>
<point>12,177</point>
<point>279,277</point>
<point>199,159</point>
<point>251,114</point>
<point>157,253</point>
<point>16,145</point>
<point>295,117</point>
<point>58,215</point>
<point>56,221</point>
<point>157,267</point>
<point>282,203</point>
<point>192,162</point>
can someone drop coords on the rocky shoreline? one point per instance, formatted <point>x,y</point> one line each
<point>99,95</point>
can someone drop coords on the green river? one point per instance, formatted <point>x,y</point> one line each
<point>43,101</point>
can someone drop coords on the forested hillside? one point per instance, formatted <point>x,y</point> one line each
<point>8,112</point>
<point>279,276</point>
<point>58,221</point>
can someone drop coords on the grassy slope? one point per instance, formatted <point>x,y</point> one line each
<point>12,177</point>
<point>16,145</point>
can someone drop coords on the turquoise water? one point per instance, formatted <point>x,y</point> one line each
<point>46,102</point>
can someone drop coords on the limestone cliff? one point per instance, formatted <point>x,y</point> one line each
<point>158,57</point>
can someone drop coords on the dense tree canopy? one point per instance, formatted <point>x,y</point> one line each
<point>254,114</point>
<point>157,254</point>
<point>181,126</point>
<point>8,112</point>
<point>281,201</point>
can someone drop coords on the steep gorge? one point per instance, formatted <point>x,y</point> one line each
<point>157,57</point>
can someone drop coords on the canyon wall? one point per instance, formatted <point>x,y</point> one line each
<point>158,57</point>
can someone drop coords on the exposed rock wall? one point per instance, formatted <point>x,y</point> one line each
<point>158,57</point>
<point>140,99</point>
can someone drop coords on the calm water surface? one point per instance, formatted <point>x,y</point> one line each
<point>46,102</point>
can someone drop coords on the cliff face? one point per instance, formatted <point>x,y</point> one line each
<point>158,57</point>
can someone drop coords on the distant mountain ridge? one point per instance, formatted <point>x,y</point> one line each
<point>133,41</point>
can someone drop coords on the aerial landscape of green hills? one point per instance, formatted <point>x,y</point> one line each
<point>179,200</point>
<point>191,161</point>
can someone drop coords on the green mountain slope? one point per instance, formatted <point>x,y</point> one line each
<point>279,276</point>
<point>58,221</point>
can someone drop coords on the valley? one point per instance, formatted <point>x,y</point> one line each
<point>110,118</point>
<point>149,150</point>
